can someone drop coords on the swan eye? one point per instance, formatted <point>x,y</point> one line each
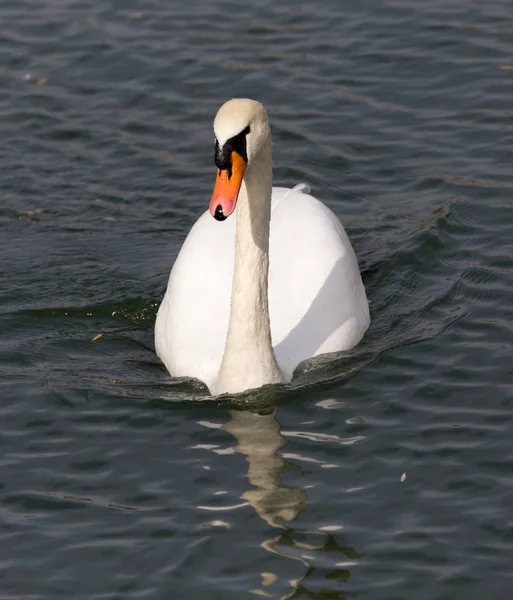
<point>237,143</point>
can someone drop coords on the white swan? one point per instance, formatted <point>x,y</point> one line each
<point>252,296</point>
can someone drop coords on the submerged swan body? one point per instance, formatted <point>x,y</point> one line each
<point>268,282</point>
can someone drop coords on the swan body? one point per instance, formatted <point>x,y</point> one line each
<point>253,295</point>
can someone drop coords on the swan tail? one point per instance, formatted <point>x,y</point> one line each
<point>302,187</point>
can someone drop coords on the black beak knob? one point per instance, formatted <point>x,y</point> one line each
<point>218,214</point>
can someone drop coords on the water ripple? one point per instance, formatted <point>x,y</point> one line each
<point>380,473</point>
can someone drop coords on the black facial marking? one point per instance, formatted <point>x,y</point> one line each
<point>219,214</point>
<point>222,156</point>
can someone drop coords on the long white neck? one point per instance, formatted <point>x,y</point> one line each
<point>249,360</point>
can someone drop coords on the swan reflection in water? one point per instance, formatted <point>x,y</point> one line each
<point>259,438</point>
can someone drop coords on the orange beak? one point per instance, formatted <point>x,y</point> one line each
<point>226,189</point>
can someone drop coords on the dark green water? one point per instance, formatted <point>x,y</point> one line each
<point>119,483</point>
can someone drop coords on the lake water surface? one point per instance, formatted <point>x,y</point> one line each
<point>383,474</point>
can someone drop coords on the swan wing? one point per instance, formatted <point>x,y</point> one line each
<point>317,300</point>
<point>192,321</point>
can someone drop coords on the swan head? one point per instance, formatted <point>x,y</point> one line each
<point>241,130</point>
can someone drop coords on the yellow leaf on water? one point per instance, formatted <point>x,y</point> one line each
<point>30,215</point>
<point>506,67</point>
<point>42,80</point>
<point>97,337</point>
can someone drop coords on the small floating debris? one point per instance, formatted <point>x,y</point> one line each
<point>121,507</point>
<point>403,477</point>
<point>42,80</point>
<point>506,67</point>
<point>30,215</point>
<point>97,337</point>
